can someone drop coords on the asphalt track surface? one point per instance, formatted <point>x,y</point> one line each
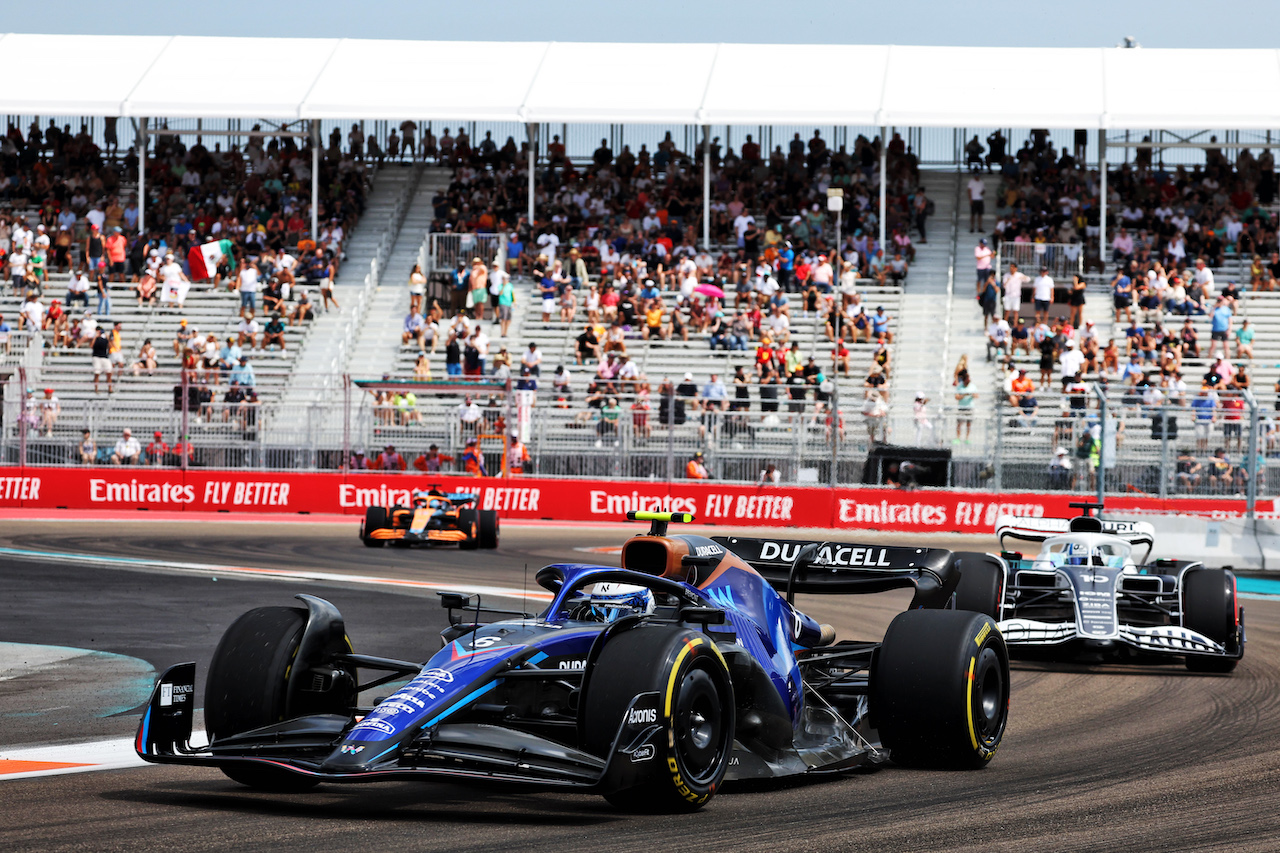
<point>1095,757</point>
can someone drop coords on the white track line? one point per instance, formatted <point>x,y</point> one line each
<point>282,574</point>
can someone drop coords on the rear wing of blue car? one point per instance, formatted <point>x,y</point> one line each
<point>812,566</point>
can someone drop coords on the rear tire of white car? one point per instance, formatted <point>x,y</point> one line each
<point>940,689</point>
<point>981,587</point>
<point>1209,608</point>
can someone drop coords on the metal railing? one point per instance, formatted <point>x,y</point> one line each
<point>1159,449</point>
<point>1063,260</point>
<point>444,251</point>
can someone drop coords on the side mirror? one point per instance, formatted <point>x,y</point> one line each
<point>454,600</point>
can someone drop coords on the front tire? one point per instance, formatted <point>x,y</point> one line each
<point>375,518</point>
<point>940,689</point>
<point>695,708</point>
<point>247,687</point>
<point>469,521</point>
<point>1209,608</point>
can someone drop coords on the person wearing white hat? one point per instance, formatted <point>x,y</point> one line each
<point>1060,470</point>
<point>924,426</point>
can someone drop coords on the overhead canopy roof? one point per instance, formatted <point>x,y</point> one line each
<point>861,85</point>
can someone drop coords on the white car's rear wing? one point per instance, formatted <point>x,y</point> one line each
<point>1027,529</point>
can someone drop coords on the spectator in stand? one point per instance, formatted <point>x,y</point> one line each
<point>469,416</point>
<point>880,325</point>
<point>1204,408</point>
<point>965,395</point>
<point>302,311</point>
<point>127,449</point>
<point>898,268</point>
<point>1122,294</point>
<point>50,408</point>
<point>243,375</point>
<point>247,332</point>
<point>88,449</point>
<point>389,460</point>
<point>1013,282</point>
<point>247,283</point>
<point>432,461</point>
<point>102,361</point>
<point>1042,294</point>
<point>977,190</point>
<point>1244,341</point>
<point>1220,327</point>
<point>273,333</point>
<point>696,468</point>
<point>147,359</point>
<point>415,329</point>
<point>417,289</point>
<point>156,450</point>
<point>1076,301</point>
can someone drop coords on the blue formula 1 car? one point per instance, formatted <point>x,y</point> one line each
<point>652,684</point>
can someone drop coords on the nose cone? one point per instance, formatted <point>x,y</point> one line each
<point>358,756</point>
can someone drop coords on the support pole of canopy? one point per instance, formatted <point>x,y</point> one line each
<point>315,182</point>
<point>1102,196</point>
<point>884,178</point>
<point>706,188</point>
<point>533,161</point>
<point>142,175</point>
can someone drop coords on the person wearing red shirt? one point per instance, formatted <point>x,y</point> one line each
<point>157,450</point>
<point>803,269</point>
<point>389,460</point>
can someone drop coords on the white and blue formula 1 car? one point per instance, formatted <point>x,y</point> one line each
<point>1085,594</point>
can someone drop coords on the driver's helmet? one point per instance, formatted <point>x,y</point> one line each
<point>1077,554</point>
<point>421,499</point>
<point>612,601</point>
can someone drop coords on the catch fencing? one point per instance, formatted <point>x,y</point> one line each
<point>1148,447</point>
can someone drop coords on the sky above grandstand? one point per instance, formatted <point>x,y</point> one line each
<point>995,23</point>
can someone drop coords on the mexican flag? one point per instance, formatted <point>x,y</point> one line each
<point>204,259</point>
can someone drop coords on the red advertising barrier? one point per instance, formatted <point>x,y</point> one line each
<point>560,500</point>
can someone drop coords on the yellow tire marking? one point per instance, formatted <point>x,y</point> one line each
<point>675,668</point>
<point>973,735</point>
<point>982,635</point>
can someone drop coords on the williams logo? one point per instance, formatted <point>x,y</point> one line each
<point>347,749</point>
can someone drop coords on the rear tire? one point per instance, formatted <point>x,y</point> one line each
<point>247,687</point>
<point>1209,608</point>
<point>469,521</point>
<point>695,707</point>
<point>488,528</point>
<point>940,689</point>
<point>981,587</point>
<point>375,518</point>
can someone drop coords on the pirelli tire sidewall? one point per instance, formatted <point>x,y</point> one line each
<point>940,689</point>
<point>695,713</point>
